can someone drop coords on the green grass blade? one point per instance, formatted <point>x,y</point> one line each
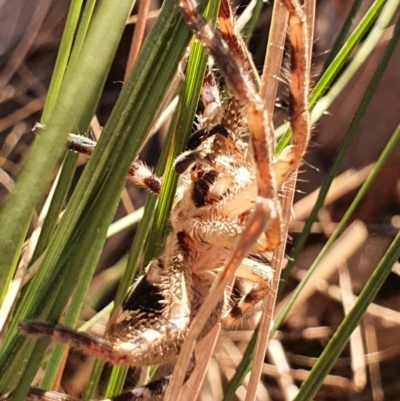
<point>91,387</point>
<point>86,17</point>
<point>369,44</point>
<point>332,71</point>
<point>340,40</point>
<point>57,205</point>
<point>75,16</point>
<point>64,52</point>
<point>77,98</point>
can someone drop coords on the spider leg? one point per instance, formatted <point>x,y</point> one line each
<point>38,394</point>
<point>147,329</point>
<point>152,321</point>
<point>152,391</point>
<point>193,155</point>
<point>81,144</point>
<point>142,175</point>
<point>200,136</point>
<point>138,171</point>
<point>150,325</point>
<point>298,93</point>
<point>257,272</point>
<point>86,342</point>
<point>230,33</point>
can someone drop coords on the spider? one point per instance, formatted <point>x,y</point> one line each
<point>226,209</point>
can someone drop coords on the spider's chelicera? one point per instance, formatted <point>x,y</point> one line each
<point>228,186</point>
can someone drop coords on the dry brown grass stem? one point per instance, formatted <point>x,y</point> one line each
<point>389,316</point>
<point>269,85</point>
<point>203,351</point>
<point>138,35</point>
<point>341,185</point>
<point>22,113</point>
<point>371,344</point>
<point>357,351</point>
<point>345,246</point>
<point>277,355</point>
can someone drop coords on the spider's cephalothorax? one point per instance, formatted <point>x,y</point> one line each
<point>227,188</point>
